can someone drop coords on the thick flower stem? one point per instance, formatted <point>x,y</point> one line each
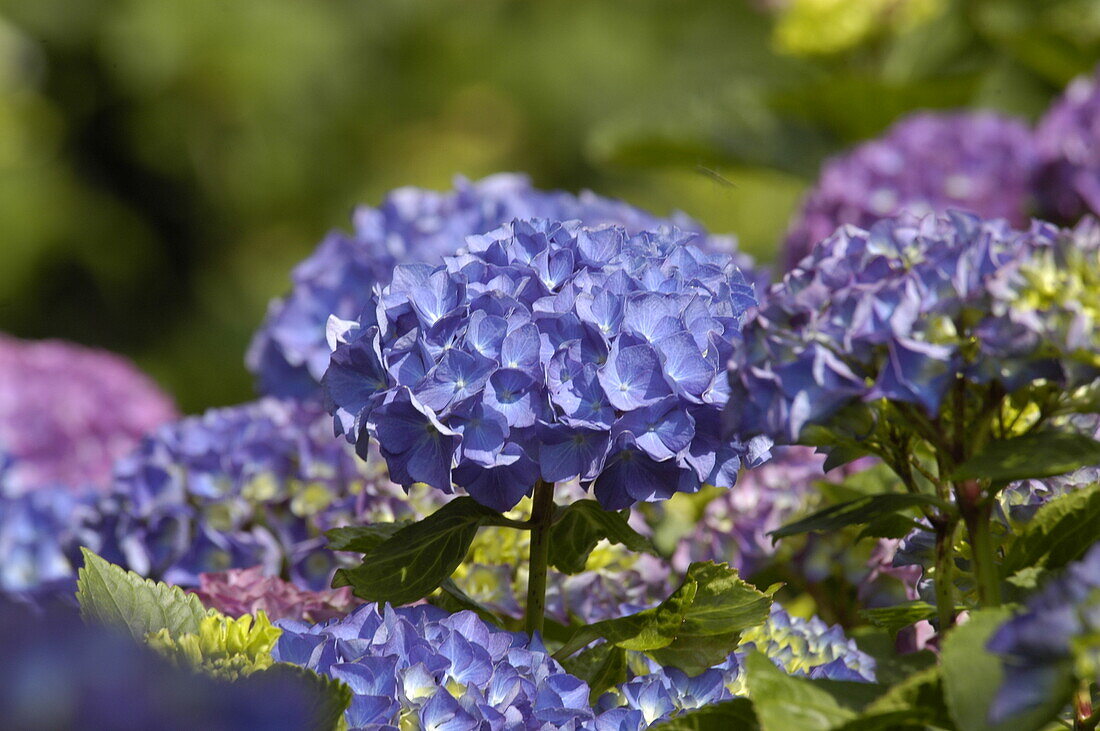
<point>945,565</point>
<point>542,517</point>
<point>1084,717</point>
<point>976,513</point>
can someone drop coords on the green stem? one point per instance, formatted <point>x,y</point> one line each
<point>945,567</point>
<point>542,518</point>
<point>977,517</point>
<point>1084,717</point>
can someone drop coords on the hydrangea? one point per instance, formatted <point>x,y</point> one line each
<point>419,664</point>
<point>1056,637</point>
<point>247,591</point>
<point>1067,180</point>
<point>553,352</point>
<point>67,412</point>
<point>900,311</point>
<point>289,353</point>
<point>979,162</point>
<point>237,487</point>
<point>423,667</point>
<point>224,647</point>
<point>59,673</point>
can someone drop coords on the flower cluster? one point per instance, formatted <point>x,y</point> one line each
<point>224,647</point>
<point>247,591</point>
<point>903,310</point>
<point>423,667</point>
<point>1055,638</point>
<point>419,664</point>
<point>250,485</point>
<point>289,353</point>
<point>928,163</point>
<point>549,351</point>
<point>67,412</point>
<point>1068,175</point>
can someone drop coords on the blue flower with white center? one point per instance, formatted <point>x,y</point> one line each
<point>549,351</point>
<point>289,354</point>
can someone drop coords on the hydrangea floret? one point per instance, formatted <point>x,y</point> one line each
<point>68,412</point>
<point>237,487</point>
<point>239,592</point>
<point>1067,179</point>
<point>927,163</point>
<point>289,354</point>
<point>928,342</point>
<point>549,352</point>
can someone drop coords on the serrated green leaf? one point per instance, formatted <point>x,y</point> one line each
<point>732,715</point>
<point>1059,533</point>
<point>332,696</point>
<point>1031,456</point>
<point>602,667</point>
<point>363,538</point>
<point>415,560</point>
<point>696,627</point>
<point>898,617</point>
<point>581,526</point>
<point>972,676</point>
<point>856,512</point>
<point>783,702</point>
<point>112,596</point>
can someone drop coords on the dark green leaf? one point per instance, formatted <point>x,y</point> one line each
<point>362,538</point>
<point>602,667</point>
<point>1059,533</point>
<point>733,715</point>
<point>914,703</point>
<point>695,628</point>
<point>972,677</point>
<point>112,596</point>
<point>332,696</point>
<point>856,512</point>
<point>581,526</point>
<point>415,560</point>
<point>840,456</point>
<point>891,666</point>
<point>783,702</point>
<point>898,617</point>
<point>1031,456</point>
<point>894,525</point>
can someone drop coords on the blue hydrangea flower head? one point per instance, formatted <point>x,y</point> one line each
<point>1057,635</point>
<point>236,487</point>
<point>898,312</point>
<point>979,162</point>
<point>289,354</point>
<point>549,351</point>
<point>1067,179</point>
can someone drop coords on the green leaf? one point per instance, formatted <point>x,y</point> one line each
<point>696,627</point>
<point>898,617</point>
<point>112,596</point>
<point>1059,533</point>
<point>1031,456</point>
<point>415,560</point>
<point>363,538</point>
<point>452,598</point>
<point>894,525</point>
<point>856,512</point>
<point>332,696</point>
<point>783,702</point>
<point>891,666</point>
<point>972,676</point>
<point>581,526</point>
<point>602,667</point>
<point>914,703</point>
<point>732,715</point>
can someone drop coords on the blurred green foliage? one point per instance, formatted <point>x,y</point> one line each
<point>164,163</point>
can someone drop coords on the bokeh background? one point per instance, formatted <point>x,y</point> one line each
<point>164,163</point>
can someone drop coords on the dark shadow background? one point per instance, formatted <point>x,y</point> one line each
<point>164,163</point>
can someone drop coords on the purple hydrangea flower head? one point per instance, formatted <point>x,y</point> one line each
<point>978,162</point>
<point>67,412</point>
<point>901,311</point>
<point>247,591</point>
<point>289,353</point>
<point>1067,179</point>
<point>237,487</point>
<point>1056,637</point>
<point>549,351</point>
